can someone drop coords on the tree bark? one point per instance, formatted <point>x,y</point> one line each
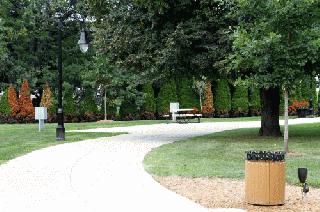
<point>270,101</point>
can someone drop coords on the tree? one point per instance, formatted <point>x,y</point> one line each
<point>254,101</point>
<point>69,104</point>
<point>200,86</point>
<point>47,99</point>
<point>25,103</point>
<point>168,93</point>
<point>149,101</point>
<point>207,107</point>
<point>168,38</point>
<point>13,101</point>
<point>4,104</point>
<point>88,105</point>
<point>186,96</point>
<point>240,101</point>
<point>275,44</point>
<point>223,97</point>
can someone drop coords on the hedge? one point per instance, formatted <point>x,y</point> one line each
<point>240,101</point>
<point>167,94</point>
<point>222,98</point>
<point>4,104</point>
<point>149,101</point>
<point>187,97</point>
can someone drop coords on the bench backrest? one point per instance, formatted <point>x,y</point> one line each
<point>174,106</point>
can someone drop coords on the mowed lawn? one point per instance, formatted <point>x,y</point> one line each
<point>223,154</point>
<point>19,139</point>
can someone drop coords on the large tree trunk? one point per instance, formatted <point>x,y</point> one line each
<point>270,101</point>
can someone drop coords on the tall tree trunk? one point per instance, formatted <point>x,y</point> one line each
<point>286,121</point>
<point>270,101</point>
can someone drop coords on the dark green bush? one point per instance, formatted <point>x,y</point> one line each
<point>128,110</point>
<point>88,105</point>
<point>168,93</point>
<point>222,98</point>
<point>149,101</point>
<point>240,101</point>
<point>187,97</point>
<point>254,101</point>
<point>4,104</point>
<point>69,104</point>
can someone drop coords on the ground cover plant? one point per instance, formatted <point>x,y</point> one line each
<point>222,154</point>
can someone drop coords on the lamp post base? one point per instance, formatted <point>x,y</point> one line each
<point>60,133</point>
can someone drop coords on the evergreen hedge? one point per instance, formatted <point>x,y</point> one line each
<point>167,94</point>
<point>187,97</point>
<point>149,101</point>
<point>69,105</point>
<point>240,101</point>
<point>4,104</point>
<point>254,101</point>
<point>88,105</point>
<point>222,98</point>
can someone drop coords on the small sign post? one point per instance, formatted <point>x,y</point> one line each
<point>41,115</point>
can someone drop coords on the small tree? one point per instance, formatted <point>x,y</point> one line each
<point>13,101</point>
<point>186,95</point>
<point>26,107</point>
<point>240,101</point>
<point>149,100</point>
<point>88,105</point>
<point>223,97</point>
<point>168,93</point>
<point>207,107</point>
<point>46,99</point>
<point>254,101</point>
<point>4,104</point>
<point>69,104</point>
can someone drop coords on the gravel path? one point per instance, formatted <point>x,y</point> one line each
<point>104,174</point>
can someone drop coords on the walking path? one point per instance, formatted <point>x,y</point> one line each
<point>104,174</point>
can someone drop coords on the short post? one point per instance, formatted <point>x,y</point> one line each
<point>41,115</point>
<point>174,106</point>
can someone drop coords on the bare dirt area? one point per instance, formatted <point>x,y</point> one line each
<point>226,193</point>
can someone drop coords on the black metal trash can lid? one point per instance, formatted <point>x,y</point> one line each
<point>265,155</point>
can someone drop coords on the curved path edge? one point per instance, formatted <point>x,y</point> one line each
<point>104,174</point>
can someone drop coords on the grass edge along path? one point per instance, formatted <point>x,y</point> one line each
<point>222,154</point>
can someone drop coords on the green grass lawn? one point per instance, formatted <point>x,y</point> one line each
<point>19,139</point>
<point>222,154</point>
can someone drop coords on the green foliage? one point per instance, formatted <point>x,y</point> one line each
<point>69,103</point>
<point>186,95</point>
<point>128,109</point>
<point>276,42</point>
<point>240,101</point>
<point>149,101</point>
<point>254,101</point>
<point>88,104</point>
<point>168,93</point>
<point>222,97</point>
<point>4,104</point>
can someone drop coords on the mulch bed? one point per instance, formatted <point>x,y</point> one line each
<point>226,193</point>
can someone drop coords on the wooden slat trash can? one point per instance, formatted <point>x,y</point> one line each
<point>265,179</point>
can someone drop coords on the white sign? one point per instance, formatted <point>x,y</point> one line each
<point>41,113</point>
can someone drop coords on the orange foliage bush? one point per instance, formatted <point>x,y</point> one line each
<point>208,102</point>
<point>13,101</point>
<point>46,99</point>
<point>26,107</point>
<point>303,104</point>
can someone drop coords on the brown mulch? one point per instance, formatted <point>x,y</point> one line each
<point>226,193</point>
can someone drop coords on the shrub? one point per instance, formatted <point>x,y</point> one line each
<point>207,108</point>
<point>13,101</point>
<point>223,98</point>
<point>186,95</point>
<point>4,104</point>
<point>149,101</point>
<point>26,107</point>
<point>240,101</point>
<point>88,105</point>
<point>69,104</point>
<point>167,94</point>
<point>128,110</point>
<point>254,101</point>
<point>47,99</point>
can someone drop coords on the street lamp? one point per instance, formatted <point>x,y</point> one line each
<point>83,44</point>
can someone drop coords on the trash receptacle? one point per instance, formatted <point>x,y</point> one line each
<point>265,178</point>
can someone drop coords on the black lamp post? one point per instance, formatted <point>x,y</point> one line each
<point>83,44</point>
